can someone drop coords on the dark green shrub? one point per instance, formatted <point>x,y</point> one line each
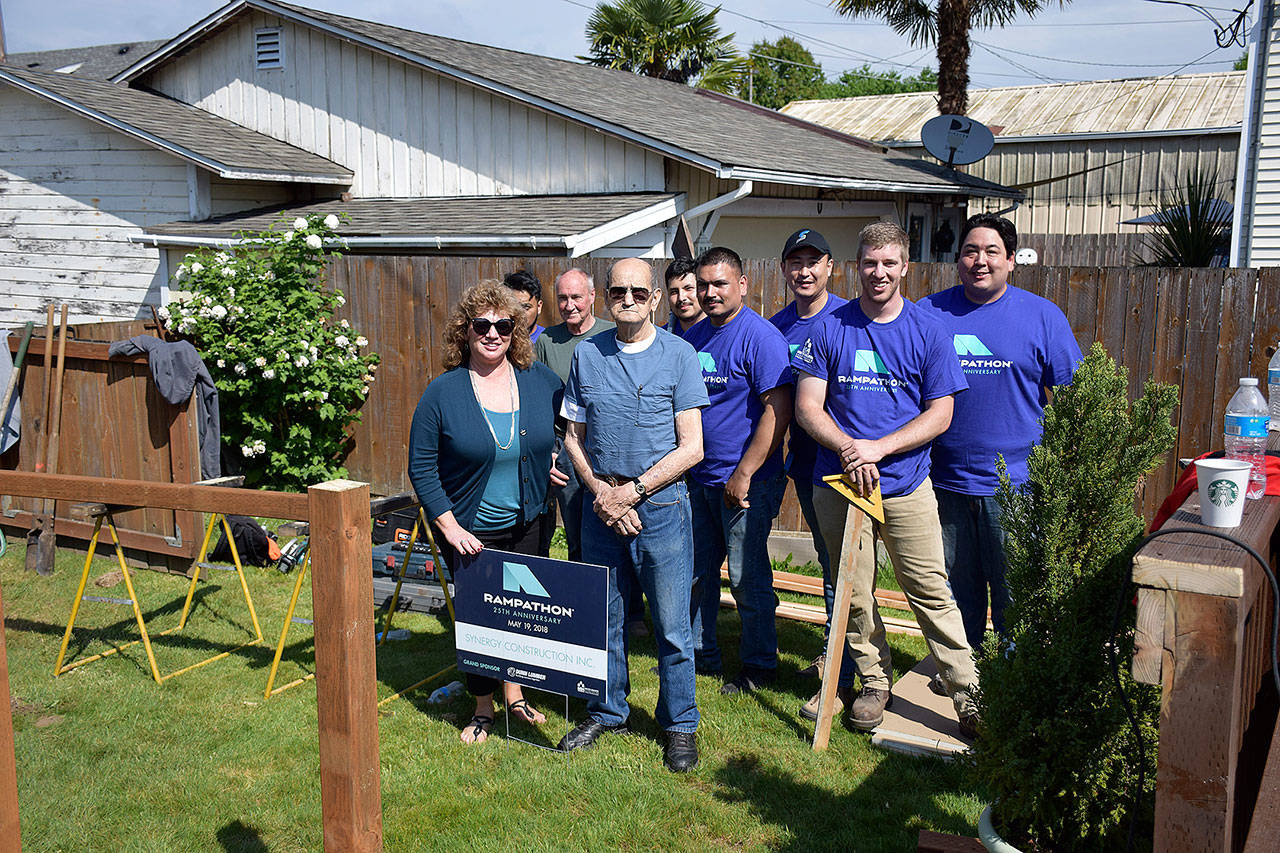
<point>1057,754</point>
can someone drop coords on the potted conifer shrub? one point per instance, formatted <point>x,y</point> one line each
<point>1057,752</point>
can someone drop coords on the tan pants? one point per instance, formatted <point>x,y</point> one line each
<point>913,537</point>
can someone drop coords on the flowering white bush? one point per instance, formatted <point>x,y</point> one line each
<point>291,379</point>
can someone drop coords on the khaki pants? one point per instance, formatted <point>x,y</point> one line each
<point>913,537</point>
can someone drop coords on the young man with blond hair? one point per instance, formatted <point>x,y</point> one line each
<point>877,381</point>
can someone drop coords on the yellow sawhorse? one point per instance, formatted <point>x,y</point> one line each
<point>289,618</point>
<point>99,512</point>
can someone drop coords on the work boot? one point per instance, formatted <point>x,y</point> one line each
<point>844,695</point>
<point>867,711</point>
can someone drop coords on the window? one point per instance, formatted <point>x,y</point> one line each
<point>269,48</point>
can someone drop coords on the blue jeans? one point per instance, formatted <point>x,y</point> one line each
<point>660,560</point>
<point>569,500</point>
<point>973,547</point>
<point>741,536</point>
<point>804,495</point>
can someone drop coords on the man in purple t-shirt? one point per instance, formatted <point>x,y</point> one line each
<point>737,487</point>
<point>806,267</point>
<point>1013,346</point>
<point>878,378</point>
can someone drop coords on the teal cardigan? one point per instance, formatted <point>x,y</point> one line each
<point>451,450</point>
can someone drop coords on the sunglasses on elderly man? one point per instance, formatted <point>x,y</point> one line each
<point>505,326</point>
<point>638,294</point>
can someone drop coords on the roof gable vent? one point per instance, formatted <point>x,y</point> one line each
<point>268,47</point>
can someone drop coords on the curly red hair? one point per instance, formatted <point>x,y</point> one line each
<point>488,295</point>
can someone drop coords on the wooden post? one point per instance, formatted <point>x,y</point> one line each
<point>346,698</point>
<point>839,625</point>
<point>10,839</point>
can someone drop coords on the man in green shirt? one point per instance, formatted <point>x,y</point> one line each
<point>576,299</point>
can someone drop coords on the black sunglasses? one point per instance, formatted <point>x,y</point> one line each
<point>639,294</point>
<point>505,326</point>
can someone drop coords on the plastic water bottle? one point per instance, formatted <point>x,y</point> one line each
<point>1273,388</point>
<point>443,694</point>
<point>1245,432</point>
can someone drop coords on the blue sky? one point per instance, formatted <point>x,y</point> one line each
<point>1081,41</point>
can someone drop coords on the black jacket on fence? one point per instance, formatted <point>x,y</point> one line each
<point>177,370</point>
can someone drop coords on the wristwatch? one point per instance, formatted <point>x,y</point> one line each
<point>641,490</point>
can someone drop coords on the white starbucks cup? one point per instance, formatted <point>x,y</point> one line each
<point>1223,483</point>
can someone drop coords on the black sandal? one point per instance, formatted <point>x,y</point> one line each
<point>524,710</point>
<point>481,725</point>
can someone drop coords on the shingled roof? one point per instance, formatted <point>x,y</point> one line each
<point>99,62</point>
<point>734,139</point>
<point>539,222</point>
<point>191,133</point>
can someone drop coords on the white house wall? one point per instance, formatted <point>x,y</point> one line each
<point>1264,247</point>
<point>404,131</point>
<point>1126,178</point>
<point>71,194</point>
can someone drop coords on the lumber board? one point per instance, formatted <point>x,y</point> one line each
<point>1194,563</point>
<point>72,487</point>
<point>10,839</point>
<point>1265,828</point>
<point>816,614</point>
<point>1148,640</point>
<point>1201,725</point>
<point>90,350</point>
<point>808,585</point>
<point>346,669</point>
<point>937,842</point>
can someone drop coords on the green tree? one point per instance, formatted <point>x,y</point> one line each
<point>865,81</point>
<point>677,40</point>
<point>945,23</point>
<point>1241,64</point>
<point>780,72</point>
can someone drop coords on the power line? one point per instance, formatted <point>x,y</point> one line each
<point>1094,107</point>
<point>1016,65</point>
<point>1004,49</point>
<point>1092,24</point>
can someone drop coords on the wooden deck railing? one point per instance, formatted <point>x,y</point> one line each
<point>1204,635</point>
<point>346,697</point>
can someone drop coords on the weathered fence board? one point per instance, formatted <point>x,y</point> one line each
<point>114,424</point>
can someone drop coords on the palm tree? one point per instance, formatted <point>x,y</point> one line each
<point>945,23</point>
<point>677,40</point>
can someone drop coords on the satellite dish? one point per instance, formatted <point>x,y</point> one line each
<point>956,140</point>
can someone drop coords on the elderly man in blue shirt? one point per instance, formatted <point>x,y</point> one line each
<point>633,403</point>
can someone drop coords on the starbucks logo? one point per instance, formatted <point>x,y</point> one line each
<point>1223,492</point>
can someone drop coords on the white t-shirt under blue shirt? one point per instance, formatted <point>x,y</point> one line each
<point>879,377</point>
<point>1010,351</point>
<point>628,395</point>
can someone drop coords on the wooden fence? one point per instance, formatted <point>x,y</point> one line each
<point>114,424</point>
<point>1198,329</point>
<point>1087,250</point>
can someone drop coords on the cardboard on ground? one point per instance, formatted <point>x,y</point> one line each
<point>872,505</point>
<point>920,722</point>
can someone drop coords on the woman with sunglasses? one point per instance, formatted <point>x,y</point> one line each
<point>480,452</point>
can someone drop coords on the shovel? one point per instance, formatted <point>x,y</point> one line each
<point>42,444</point>
<point>18,359</point>
<point>46,544</point>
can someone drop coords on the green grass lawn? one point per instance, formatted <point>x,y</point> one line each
<point>109,761</point>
